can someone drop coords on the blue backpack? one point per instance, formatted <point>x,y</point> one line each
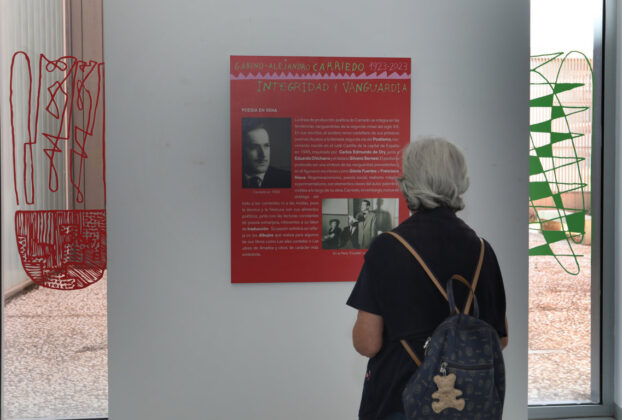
<point>462,375</point>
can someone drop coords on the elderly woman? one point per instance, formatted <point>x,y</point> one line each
<point>394,296</point>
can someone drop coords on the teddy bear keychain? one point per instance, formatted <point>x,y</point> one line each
<point>447,395</point>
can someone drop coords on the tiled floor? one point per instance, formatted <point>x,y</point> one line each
<point>56,353</point>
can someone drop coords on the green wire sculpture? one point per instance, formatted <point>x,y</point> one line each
<point>546,179</point>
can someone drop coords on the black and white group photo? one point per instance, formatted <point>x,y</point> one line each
<point>353,223</point>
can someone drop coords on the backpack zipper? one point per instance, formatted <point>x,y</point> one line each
<point>469,328</point>
<point>426,344</point>
<point>443,369</point>
<point>445,364</point>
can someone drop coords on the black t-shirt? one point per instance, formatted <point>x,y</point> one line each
<point>393,285</point>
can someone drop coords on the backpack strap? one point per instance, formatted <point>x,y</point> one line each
<point>440,288</point>
<point>422,263</point>
<point>475,276</point>
<point>458,277</point>
<point>410,352</point>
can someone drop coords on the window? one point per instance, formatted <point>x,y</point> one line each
<point>54,320</point>
<point>565,209</point>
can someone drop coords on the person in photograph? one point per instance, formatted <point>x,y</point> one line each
<point>396,300</point>
<point>349,235</point>
<point>367,225</point>
<point>331,239</point>
<point>257,172</point>
<point>383,217</point>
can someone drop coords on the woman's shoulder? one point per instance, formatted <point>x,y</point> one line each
<point>384,243</point>
<point>489,251</point>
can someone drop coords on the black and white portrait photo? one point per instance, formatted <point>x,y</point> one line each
<point>266,153</point>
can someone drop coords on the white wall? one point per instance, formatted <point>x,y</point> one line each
<point>184,342</point>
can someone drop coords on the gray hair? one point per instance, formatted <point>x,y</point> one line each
<point>434,174</point>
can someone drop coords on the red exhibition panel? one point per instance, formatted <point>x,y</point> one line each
<point>315,152</point>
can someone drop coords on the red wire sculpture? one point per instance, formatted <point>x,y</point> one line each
<point>60,249</point>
